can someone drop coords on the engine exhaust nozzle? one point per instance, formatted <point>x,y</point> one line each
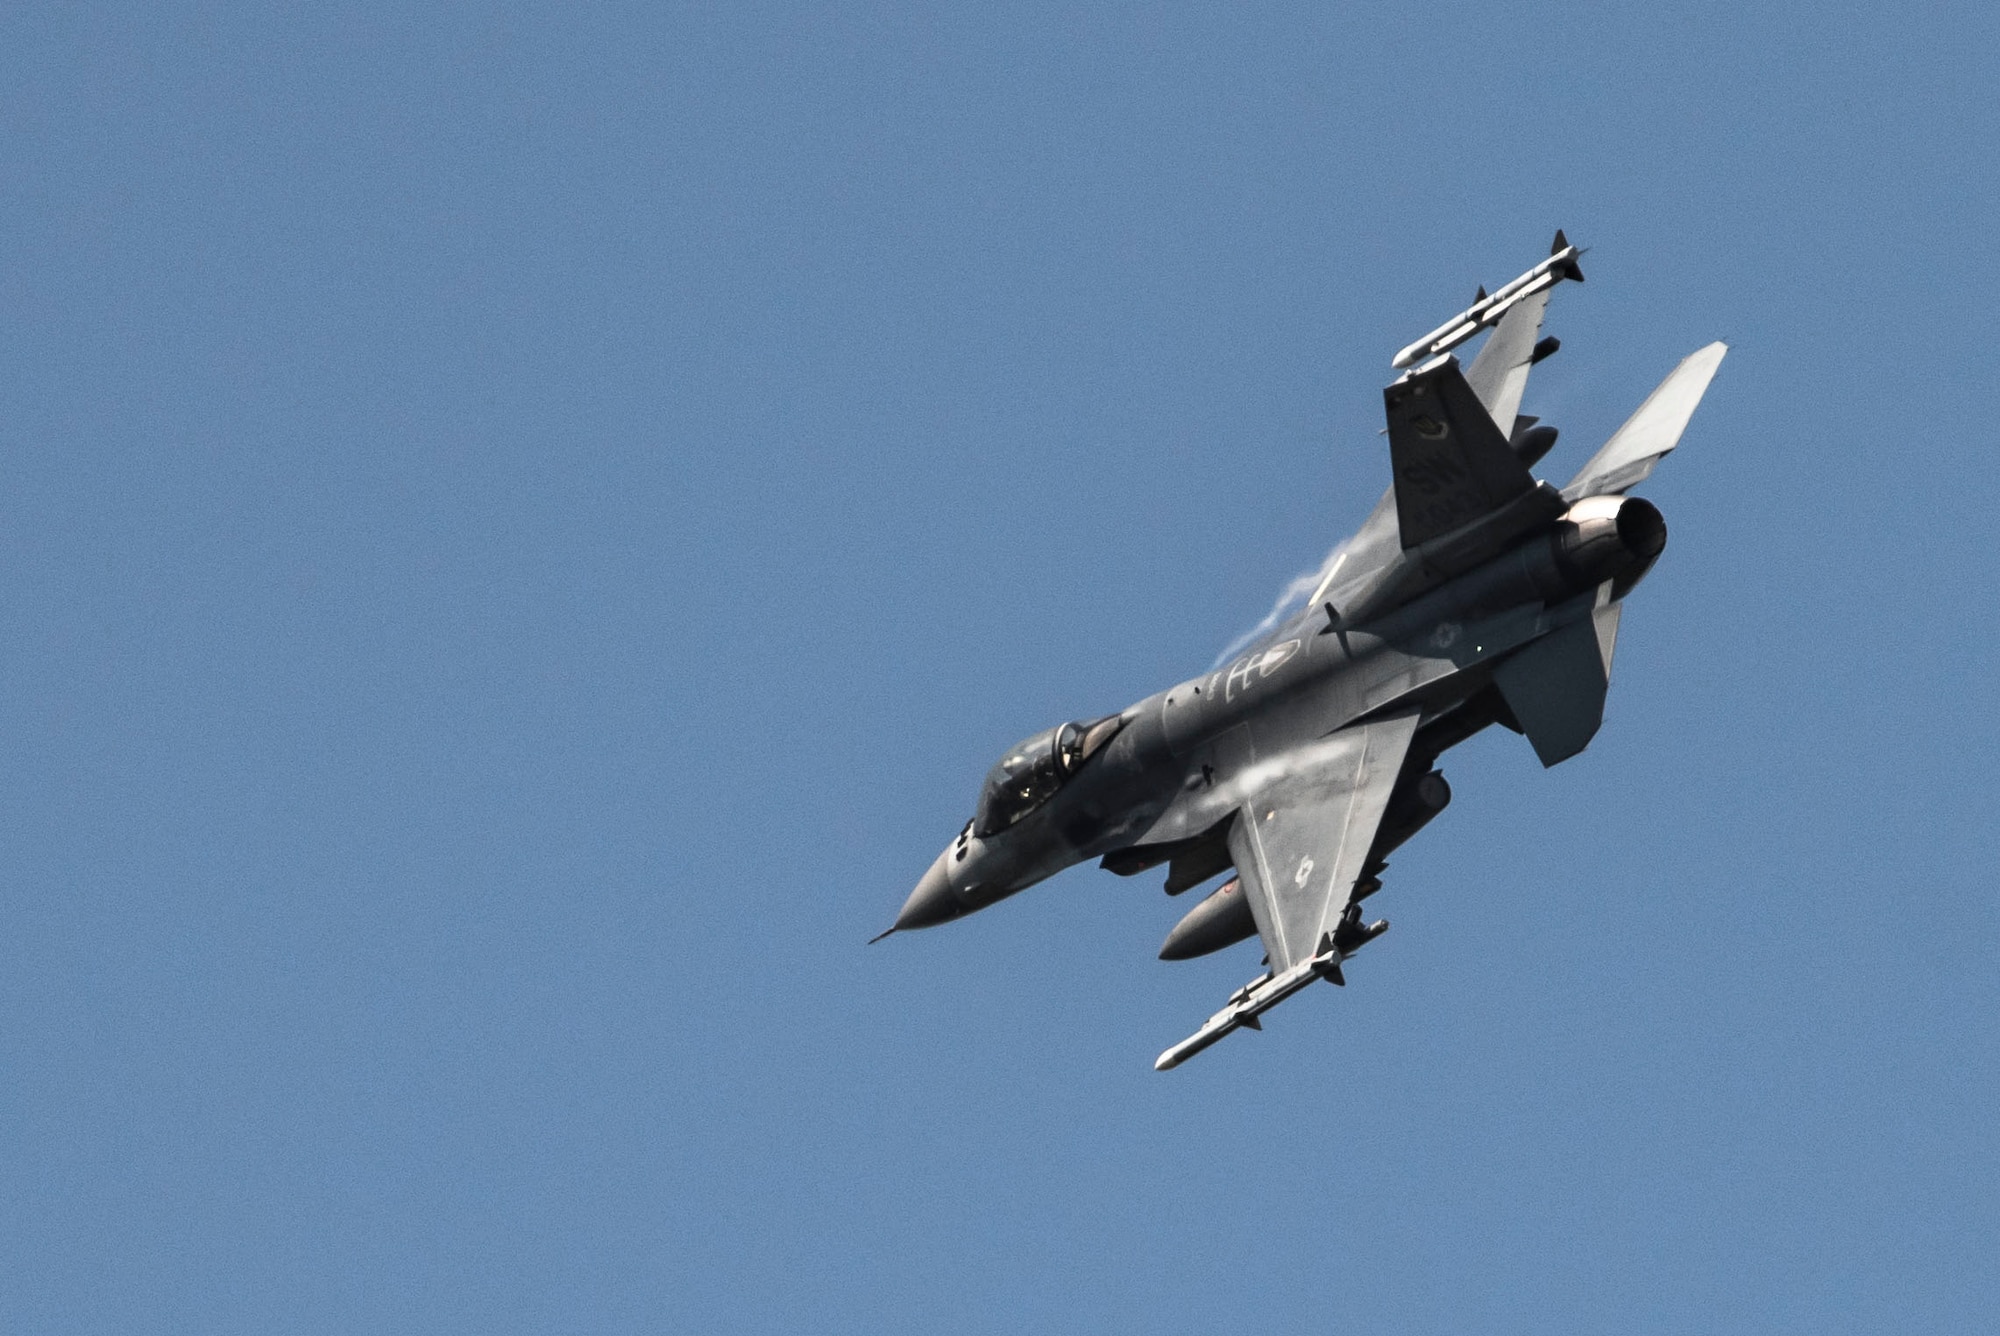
<point>1609,538</point>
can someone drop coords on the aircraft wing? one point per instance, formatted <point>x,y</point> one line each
<point>1651,432</point>
<point>1499,375</point>
<point>1300,842</point>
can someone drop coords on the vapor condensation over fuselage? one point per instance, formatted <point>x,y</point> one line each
<point>1473,594</point>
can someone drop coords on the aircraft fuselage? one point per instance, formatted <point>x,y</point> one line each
<point>1183,760</point>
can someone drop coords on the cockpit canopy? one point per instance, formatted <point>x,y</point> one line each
<point>1032,770</point>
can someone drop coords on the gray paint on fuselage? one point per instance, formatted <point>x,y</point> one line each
<point>1472,595</point>
<point>1165,776</point>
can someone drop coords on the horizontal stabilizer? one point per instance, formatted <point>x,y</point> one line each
<point>1556,686</point>
<point>1629,456</point>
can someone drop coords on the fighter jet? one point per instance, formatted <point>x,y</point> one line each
<point>1474,594</point>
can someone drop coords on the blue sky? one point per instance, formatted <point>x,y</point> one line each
<point>521,528</point>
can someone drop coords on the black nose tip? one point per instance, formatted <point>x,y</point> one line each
<point>932,902</point>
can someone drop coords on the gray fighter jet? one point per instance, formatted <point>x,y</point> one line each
<point>1472,595</point>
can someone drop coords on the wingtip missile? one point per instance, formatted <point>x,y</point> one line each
<point>1247,1005</point>
<point>1572,270</point>
<point>1216,1029</point>
<point>1486,311</point>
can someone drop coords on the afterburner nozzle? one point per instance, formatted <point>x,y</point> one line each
<point>1609,538</point>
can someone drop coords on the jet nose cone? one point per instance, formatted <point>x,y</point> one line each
<point>932,902</point>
